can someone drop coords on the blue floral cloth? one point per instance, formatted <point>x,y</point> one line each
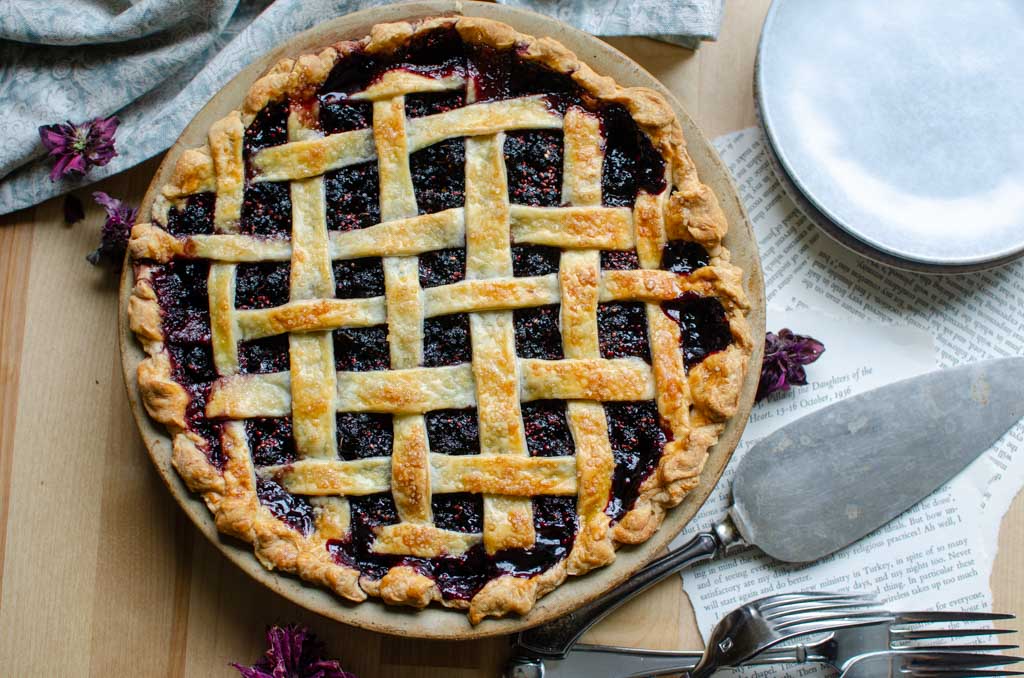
<point>156,62</point>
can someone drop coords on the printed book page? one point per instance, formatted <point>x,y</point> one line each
<point>929,558</point>
<point>878,325</point>
<point>972,317</point>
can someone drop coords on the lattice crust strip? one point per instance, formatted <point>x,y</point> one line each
<point>693,407</point>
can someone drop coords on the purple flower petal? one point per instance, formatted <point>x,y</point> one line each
<point>75,164</point>
<point>54,137</point>
<point>785,354</point>
<point>76,149</point>
<point>796,375</point>
<point>116,230</point>
<point>293,652</point>
<point>112,205</point>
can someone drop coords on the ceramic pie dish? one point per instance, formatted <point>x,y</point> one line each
<point>438,315</point>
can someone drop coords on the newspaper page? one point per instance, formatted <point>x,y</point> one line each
<point>972,317</point>
<point>878,325</point>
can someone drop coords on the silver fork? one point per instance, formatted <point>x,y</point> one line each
<point>894,636</point>
<point>916,663</point>
<point>751,629</point>
<point>840,648</point>
<point>761,624</point>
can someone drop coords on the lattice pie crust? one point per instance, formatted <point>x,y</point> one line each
<point>693,401</point>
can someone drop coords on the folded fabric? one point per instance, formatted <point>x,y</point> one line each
<point>156,62</point>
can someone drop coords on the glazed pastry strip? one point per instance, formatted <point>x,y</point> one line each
<point>579,278</point>
<point>311,353</point>
<point>508,521</point>
<point>410,472</point>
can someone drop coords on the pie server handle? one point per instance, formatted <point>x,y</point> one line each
<point>554,639</point>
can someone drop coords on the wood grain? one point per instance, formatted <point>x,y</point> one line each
<point>15,252</point>
<point>104,576</point>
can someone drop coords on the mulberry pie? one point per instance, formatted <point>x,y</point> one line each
<point>439,315</point>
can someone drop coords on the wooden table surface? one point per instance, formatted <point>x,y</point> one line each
<point>103,575</point>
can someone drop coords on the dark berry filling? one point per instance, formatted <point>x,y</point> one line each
<point>704,325</point>
<point>342,115</point>
<point>547,429</point>
<point>446,340</point>
<point>196,218</point>
<point>462,577</point>
<point>429,103</point>
<point>622,330</point>
<point>267,210</point>
<point>631,163</point>
<point>262,285</point>
<point>264,356</point>
<point>459,512</point>
<point>180,287</point>
<point>270,441</point>
<point>366,513</point>
<point>554,521</point>
<point>501,74</point>
<point>362,349</point>
<point>683,256</point>
<point>453,432</point>
<point>459,577</point>
<point>439,176</point>
<point>293,510</point>
<point>436,54</point>
<point>359,278</point>
<point>532,260</point>
<point>192,363</point>
<point>537,333</point>
<point>533,162</point>
<point>188,346</point>
<point>192,367</point>
<point>362,435</point>
<point>207,429</point>
<point>442,267</point>
<point>619,260</point>
<point>269,128</point>
<point>637,440</point>
<point>353,197</point>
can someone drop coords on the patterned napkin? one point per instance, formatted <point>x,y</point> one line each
<point>156,62</point>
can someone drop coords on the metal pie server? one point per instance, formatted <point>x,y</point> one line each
<point>826,480</point>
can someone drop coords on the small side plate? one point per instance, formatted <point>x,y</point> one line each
<point>900,124</point>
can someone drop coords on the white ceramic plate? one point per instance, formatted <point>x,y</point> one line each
<point>902,122</point>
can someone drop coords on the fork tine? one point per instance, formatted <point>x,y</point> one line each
<point>958,648</point>
<point>959,673</point>
<point>806,607</point>
<point>772,602</point>
<point>812,619</point>
<point>835,625</point>
<point>927,634</point>
<point>933,660</point>
<point>930,617</point>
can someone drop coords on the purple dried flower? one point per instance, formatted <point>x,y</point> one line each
<point>73,210</point>
<point>293,652</point>
<point>79,148</point>
<point>785,355</point>
<point>116,230</point>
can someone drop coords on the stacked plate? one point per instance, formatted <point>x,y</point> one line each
<point>899,127</point>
